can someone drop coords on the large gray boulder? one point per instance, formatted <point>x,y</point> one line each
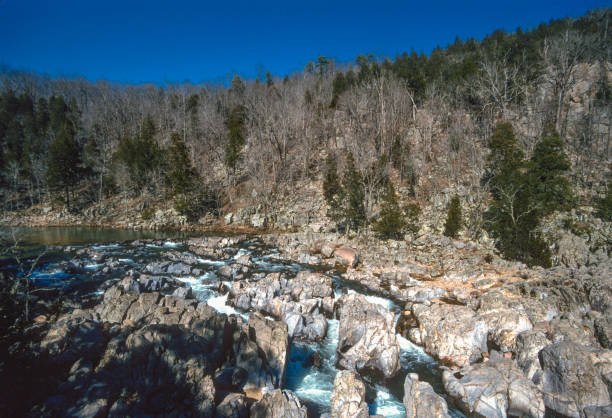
<point>454,334</point>
<point>496,388</point>
<point>570,381</point>
<point>421,401</point>
<point>261,347</point>
<point>278,404</point>
<point>366,336</point>
<point>348,397</point>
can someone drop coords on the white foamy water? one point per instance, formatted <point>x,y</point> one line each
<point>210,262</point>
<point>93,266</point>
<point>385,303</point>
<point>219,304</point>
<point>171,244</point>
<point>386,405</point>
<point>106,247</point>
<point>308,382</point>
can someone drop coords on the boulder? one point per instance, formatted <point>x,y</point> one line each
<point>347,256</point>
<point>570,380</point>
<point>178,269</point>
<point>496,388</point>
<point>308,285</point>
<point>278,404</point>
<point>366,336</point>
<point>452,333</point>
<point>421,401</point>
<point>233,405</point>
<point>262,349</point>
<point>348,397</point>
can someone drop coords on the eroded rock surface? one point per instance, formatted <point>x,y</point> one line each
<point>421,401</point>
<point>366,336</point>
<point>348,397</point>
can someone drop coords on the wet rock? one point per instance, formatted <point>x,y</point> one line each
<point>366,336</point>
<point>233,271</point>
<point>278,404</point>
<point>178,269</point>
<point>570,380</point>
<point>348,397</point>
<point>314,360</point>
<point>496,388</point>
<point>182,257</point>
<point>233,405</point>
<point>347,256</point>
<point>157,268</point>
<point>421,401</point>
<point>183,292</point>
<point>244,260</point>
<point>452,333</point>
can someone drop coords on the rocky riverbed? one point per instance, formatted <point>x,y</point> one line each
<point>297,325</point>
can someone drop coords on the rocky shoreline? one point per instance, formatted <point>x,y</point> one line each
<point>513,341</point>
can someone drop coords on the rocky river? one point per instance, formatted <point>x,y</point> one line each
<point>239,326</point>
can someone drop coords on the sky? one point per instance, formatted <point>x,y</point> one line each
<point>135,41</point>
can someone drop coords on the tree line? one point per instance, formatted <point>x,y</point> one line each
<point>398,130</point>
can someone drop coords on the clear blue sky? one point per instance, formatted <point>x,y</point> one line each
<point>178,40</point>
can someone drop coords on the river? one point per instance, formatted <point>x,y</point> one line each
<point>64,265</point>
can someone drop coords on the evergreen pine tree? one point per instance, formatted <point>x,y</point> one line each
<point>453,218</point>
<point>604,206</point>
<point>391,222</point>
<point>550,187</point>
<point>181,176</point>
<point>513,216</point>
<point>235,126</point>
<point>64,169</point>
<point>354,210</point>
<point>332,191</point>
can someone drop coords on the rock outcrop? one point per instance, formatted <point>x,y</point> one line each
<point>570,381</point>
<point>348,397</point>
<point>278,404</point>
<point>366,336</point>
<point>421,401</point>
<point>454,334</point>
<point>496,388</point>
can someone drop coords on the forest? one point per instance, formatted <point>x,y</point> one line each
<point>520,120</point>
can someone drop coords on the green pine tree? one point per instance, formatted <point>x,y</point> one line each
<point>332,191</point>
<point>547,173</point>
<point>453,218</point>
<point>513,215</point>
<point>391,222</point>
<point>604,205</point>
<point>181,177</point>
<point>235,125</point>
<point>64,169</point>
<point>352,183</point>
